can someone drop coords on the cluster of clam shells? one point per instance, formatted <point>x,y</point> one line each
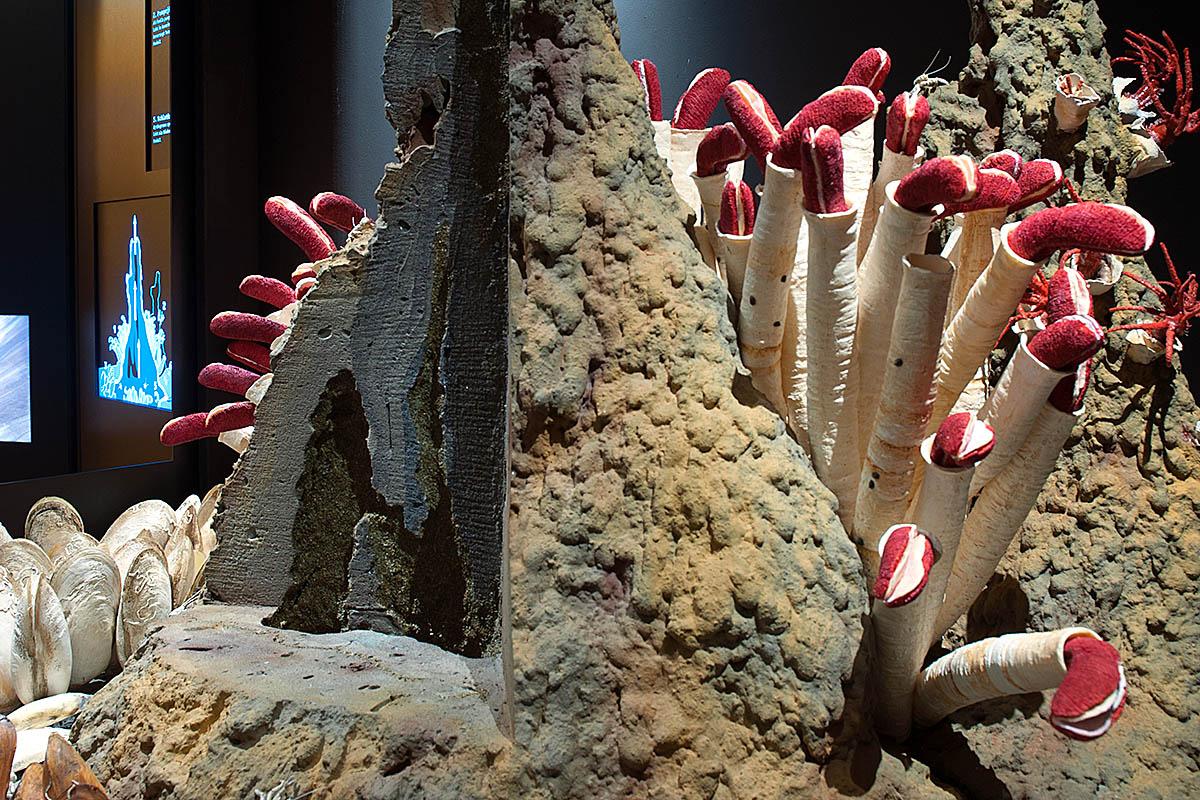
<point>74,608</point>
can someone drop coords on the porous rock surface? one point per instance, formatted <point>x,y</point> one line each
<point>217,705</point>
<point>1112,543</point>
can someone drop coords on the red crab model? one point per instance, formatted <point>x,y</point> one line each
<point>1180,305</point>
<point>1162,67</point>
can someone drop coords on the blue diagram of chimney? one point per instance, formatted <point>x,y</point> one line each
<point>141,374</point>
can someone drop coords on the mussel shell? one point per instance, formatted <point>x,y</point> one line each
<point>88,585</point>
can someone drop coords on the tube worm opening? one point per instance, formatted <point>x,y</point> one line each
<point>906,121</point>
<point>1092,694</point>
<point>647,75</point>
<point>737,209</point>
<point>1038,179</point>
<point>954,179</point>
<point>337,210</point>
<point>1068,395</point>
<point>1067,343</point>
<point>267,290</point>
<point>1073,99</point>
<point>961,442</point>
<point>870,69</point>
<point>754,118</point>
<point>1067,293</point>
<point>719,148</point>
<point>295,223</point>
<point>821,170</point>
<point>1102,227</point>
<point>841,108</point>
<point>700,99</point>
<point>1007,160</point>
<point>906,556</point>
<point>997,189</point>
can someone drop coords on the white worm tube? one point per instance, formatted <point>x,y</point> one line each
<point>765,289</point>
<point>973,331</point>
<point>832,306</point>
<point>1073,100</point>
<point>731,256</point>
<point>886,475</point>
<point>858,159</point>
<point>709,190</point>
<point>682,161</point>
<point>898,233</point>
<point>977,242</point>
<point>662,139</point>
<point>1017,663</point>
<point>892,167</point>
<point>795,343</point>
<point>1000,510</point>
<point>1012,408</point>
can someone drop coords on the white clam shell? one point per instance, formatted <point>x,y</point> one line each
<point>8,621</point>
<point>40,660</point>
<point>88,585</point>
<point>145,601</point>
<point>151,516</point>
<point>24,559</point>
<point>48,711</point>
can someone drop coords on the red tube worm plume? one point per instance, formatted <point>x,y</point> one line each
<point>337,210</point>
<point>954,179</point>
<point>647,75</point>
<point>301,272</point>
<point>997,189</point>
<point>1007,160</point>
<point>1067,343</point>
<point>1180,306</point>
<point>185,429</point>
<point>719,148</point>
<point>1102,227</point>
<point>841,108</point>
<point>906,555</point>
<point>230,417</point>
<point>227,378</point>
<point>1067,294</point>
<point>1038,180</point>
<point>304,286</point>
<point>905,122</point>
<point>962,441</point>
<point>251,354</point>
<point>304,231</point>
<point>245,327</point>
<point>737,209</point>
<point>754,118</point>
<point>821,170</point>
<point>1163,68</point>
<point>1067,396</point>
<point>267,290</point>
<point>700,100</point>
<point>870,69</point>
<point>1092,694</point>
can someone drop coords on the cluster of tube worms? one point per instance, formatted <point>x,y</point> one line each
<point>875,354</point>
<point>251,335</point>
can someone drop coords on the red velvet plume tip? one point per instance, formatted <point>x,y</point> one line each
<point>961,441</point>
<point>842,108</point>
<point>267,290</point>
<point>304,286</point>
<point>647,75</point>
<point>997,189</point>
<point>700,99</point>
<point>182,430</point>
<point>1067,343</point>
<point>1067,294</point>
<point>296,224</point>
<point>245,327</point>
<point>230,417</point>
<point>1037,180</point>
<point>905,122</point>
<point>754,118</point>
<point>719,148</point>
<point>1105,228</point>
<point>251,354</point>
<point>337,210</point>
<point>906,555</point>
<point>737,209</point>
<point>870,69</point>
<point>1068,395</point>
<point>1092,694</point>
<point>1006,160</point>
<point>954,179</point>
<point>303,271</point>
<point>227,378</point>
<point>821,171</point>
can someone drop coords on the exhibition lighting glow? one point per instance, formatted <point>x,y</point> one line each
<point>142,374</point>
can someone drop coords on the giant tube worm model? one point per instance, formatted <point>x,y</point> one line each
<point>1084,669</point>
<point>720,148</point>
<point>870,70</point>
<point>902,150</point>
<point>1024,246</point>
<point>735,231</point>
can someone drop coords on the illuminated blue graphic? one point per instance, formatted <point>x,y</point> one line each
<point>14,379</point>
<point>142,373</point>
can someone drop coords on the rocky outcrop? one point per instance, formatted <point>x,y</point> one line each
<point>1112,542</point>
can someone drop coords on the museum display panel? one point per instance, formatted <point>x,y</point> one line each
<point>566,399</point>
